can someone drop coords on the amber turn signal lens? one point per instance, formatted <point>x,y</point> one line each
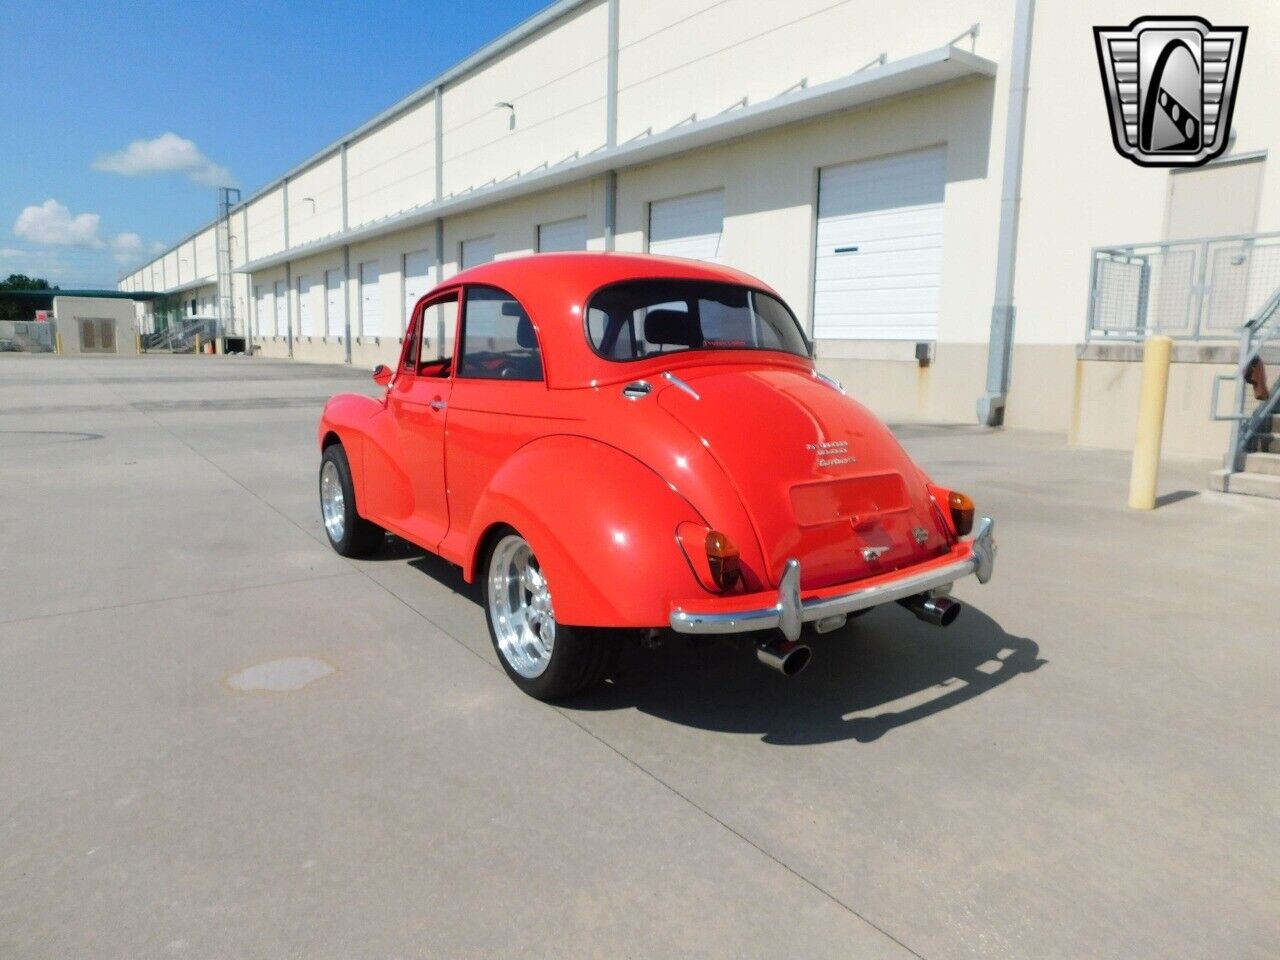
<point>722,557</point>
<point>961,512</point>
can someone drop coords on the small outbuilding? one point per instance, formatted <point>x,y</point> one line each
<point>95,324</point>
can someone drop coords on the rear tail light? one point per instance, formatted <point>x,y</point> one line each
<point>961,512</point>
<point>723,559</point>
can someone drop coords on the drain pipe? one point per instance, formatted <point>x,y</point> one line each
<point>1000,347</point>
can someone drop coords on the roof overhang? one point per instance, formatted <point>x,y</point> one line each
<point>906,76</point>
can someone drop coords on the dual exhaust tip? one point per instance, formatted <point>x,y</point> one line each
<point>788,657</point>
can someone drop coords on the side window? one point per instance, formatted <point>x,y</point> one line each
<point>429,340</point>
<point>439,327</point>
<point>499,342</point>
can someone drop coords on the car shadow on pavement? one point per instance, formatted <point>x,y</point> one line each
<point>880,672</point>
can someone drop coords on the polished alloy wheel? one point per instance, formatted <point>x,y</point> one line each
<point>333,503</point>
<point>524,622</point>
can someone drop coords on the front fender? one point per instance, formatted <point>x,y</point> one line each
<point>602,526</point>
<point>347,417</point>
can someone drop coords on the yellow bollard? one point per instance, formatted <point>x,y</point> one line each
<point>137,343</point>
<point>197,343</point>
<point>1151,403</point>
<point>57,344</point>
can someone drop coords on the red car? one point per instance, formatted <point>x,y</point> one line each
<point>621,444</point>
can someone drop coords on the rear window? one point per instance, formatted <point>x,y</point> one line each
<point>646,318</point>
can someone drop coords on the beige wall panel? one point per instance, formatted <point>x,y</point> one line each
<point>266,224</point>
<point>393,167</point>
<point>322,216</point>
<point>1107,408</point>
<point>556,80</point>
<point>677,58</point>
<point>206,250</point>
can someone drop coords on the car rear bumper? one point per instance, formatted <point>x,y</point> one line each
<point>788,611</point>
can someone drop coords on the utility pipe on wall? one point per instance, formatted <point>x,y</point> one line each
<point>1000,346</point>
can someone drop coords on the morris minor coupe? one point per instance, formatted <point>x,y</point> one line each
<point>634,445</point>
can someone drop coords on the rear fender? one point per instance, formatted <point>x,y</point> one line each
<point>602,525</point>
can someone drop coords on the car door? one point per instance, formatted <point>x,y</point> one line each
<point>498,403</point>
<point>403,458</point>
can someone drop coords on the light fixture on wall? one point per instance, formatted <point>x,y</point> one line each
<point>312,201</point>
<point>511,121</point>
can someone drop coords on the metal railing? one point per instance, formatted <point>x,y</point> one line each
<point>1205,289</point>
<point>1246,426</point>
<point>181,336</point>
<point>29,336</point>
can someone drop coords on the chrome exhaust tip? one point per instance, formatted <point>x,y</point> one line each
<point>939,611</point>
<point>785,656</point>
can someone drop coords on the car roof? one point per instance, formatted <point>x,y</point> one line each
<point>554,289</point>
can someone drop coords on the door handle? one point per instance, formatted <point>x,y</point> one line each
<point>438,404</point>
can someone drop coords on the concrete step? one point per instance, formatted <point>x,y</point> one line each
<point>1266,443</point>
<point>1268,463</point>
<point>1251,484</point>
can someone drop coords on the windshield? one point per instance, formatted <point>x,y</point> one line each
<point>646,318</point>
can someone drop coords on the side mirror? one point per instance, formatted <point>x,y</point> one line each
<point>381,375</point>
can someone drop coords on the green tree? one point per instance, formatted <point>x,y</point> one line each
<point>21,309</point>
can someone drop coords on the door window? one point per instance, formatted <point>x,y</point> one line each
<point>428,350</point>
<point>499,342</point>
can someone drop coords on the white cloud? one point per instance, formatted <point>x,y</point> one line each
<point>52,223</point>
<point>167,153</point>
<point>126,247</point>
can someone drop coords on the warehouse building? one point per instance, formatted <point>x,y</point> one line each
<point>926,183</point>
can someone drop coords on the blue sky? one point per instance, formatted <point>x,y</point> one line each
<point>245,89</point>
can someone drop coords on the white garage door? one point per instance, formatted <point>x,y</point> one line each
<point>879,250</point>
<point>563,235</point>
<point>306,315</point>
<point>282,309</point>
<point>478,251</point>
<point>335,304</point>
<point>417,280</point>
<point>264,320</point>
<point>688,226</point>
<point>370,300</point>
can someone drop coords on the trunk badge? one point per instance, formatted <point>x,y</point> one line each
<point>872,554</point>
<point>831,453</point>
<point>920,534</point>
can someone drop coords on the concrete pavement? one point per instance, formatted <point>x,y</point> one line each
<point>1084,765</point>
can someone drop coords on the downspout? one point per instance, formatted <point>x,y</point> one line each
<point>611,126</point>
<point>1000,346</point>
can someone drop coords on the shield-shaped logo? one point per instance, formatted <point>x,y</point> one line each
<point>1171,85</point>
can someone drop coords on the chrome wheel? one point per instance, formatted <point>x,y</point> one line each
<point>333,502</point>
<point>524,622</point>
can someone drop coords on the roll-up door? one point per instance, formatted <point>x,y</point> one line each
<point>688,226</point>
<point>370,300</point>
<point>879,248</point>
<point>563,236</point>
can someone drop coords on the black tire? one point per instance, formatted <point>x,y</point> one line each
<point>357,536</point>
<point>580,658</point>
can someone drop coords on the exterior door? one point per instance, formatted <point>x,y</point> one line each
<point>688,226</point>
<point>405,467</point>
<point>335,305</point>
<point>878,272</point>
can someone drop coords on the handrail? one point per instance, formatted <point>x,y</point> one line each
<point>1257,332</point>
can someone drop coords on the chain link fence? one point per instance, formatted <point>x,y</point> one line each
<point>1194,289</point>
<point>28,336</point>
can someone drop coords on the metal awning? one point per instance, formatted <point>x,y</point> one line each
<point>911,74</point>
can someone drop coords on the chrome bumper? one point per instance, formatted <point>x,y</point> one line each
<point>789,614</point>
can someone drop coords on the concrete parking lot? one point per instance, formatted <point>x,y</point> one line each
<point>1085,765</point>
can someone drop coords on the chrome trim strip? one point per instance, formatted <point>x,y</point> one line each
<point>790,613</point>
<point>677,382</point>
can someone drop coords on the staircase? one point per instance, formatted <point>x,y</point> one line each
<point>1252,463</point>
<point>1261,474</point>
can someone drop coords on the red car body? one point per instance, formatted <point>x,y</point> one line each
<point>616,488</point>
